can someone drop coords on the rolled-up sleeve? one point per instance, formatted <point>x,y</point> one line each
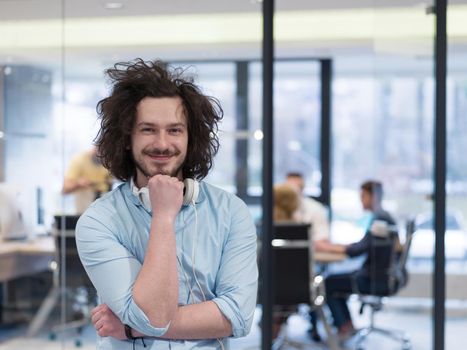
<point>112,270</point>
<point>237,279</point>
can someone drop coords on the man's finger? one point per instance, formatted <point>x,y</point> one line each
<point>98,308</point>
<point>97,316</point>
<point>98,325</point>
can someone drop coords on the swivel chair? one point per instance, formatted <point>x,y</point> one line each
<point>397,278</point>
<point>294,281</point>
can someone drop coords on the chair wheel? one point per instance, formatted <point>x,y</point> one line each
<point>52,336</point>
<point>78,343</point>
<point>314,335</point>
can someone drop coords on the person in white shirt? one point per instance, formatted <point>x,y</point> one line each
<point>310,211</point>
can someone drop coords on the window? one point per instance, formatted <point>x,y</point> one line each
<point>297,123</point>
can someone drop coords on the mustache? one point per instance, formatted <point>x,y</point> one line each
<point>161,152</point>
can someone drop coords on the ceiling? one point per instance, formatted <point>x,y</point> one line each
<point>41,9</point>
<point>81,37</point>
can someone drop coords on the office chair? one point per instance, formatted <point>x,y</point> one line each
<point>398,277</point>
<point>77,290</point>
<point>294,280</point>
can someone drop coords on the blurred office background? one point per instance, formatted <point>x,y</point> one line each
<point>53,54</point>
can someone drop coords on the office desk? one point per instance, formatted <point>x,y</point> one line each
<point>23,258</point>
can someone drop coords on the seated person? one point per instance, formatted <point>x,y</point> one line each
<point>286,202</point>
<point>310,211</point>
<point>339,286</point>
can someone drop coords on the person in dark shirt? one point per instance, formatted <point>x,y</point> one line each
<point>339,286</point>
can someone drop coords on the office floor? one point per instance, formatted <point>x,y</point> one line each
<point>415,321</point>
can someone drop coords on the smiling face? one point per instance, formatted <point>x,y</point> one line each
<point>159,138</point>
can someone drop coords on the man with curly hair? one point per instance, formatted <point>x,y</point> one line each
<point>170,272</point>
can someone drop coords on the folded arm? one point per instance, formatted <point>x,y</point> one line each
<point>229,313</point>
<point>197,321</point>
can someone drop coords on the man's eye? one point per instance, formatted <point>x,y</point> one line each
<point>175,131</point>
<point>147,130</point>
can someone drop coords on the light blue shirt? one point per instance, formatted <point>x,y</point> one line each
<point>112,237</point>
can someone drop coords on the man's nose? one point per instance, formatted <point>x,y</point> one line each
<point>160,140</point>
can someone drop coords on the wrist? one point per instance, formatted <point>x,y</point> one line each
<point>164,219</point>
<point>129,332</point>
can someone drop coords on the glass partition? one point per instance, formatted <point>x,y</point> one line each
<point>456,203</point>
<point>31,166</point>
<point>297,123</point>
<point>201,39</point>
<point>383,130</point>
<point>52,58</point>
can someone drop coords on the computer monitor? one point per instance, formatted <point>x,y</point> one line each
<point>12,224</point>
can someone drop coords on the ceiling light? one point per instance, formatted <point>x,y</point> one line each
<point>113,5</point>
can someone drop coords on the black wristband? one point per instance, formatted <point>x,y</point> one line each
<point>128,333</point>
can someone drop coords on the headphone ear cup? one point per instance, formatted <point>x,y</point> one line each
<point>191,191</point>
<point>143,196</point>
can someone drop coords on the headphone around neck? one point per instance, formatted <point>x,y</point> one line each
<point>190,193</point>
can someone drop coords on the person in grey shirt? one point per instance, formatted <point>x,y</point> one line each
<point>173,258</point>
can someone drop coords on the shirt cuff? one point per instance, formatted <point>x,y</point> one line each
<point>226,307</point>
<point>138,320</point>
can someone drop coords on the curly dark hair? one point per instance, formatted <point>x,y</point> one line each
<point>135,80</point>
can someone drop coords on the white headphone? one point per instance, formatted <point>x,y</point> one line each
<point>190,193</point>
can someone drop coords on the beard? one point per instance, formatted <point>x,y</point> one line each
<point>144,168</point>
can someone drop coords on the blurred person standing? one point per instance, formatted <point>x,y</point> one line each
<point>86,178</point>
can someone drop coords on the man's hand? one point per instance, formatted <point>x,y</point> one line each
<point>321,245</point>
<point>327,246</point>
<point>106,323</point>
<point>166,194</point>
